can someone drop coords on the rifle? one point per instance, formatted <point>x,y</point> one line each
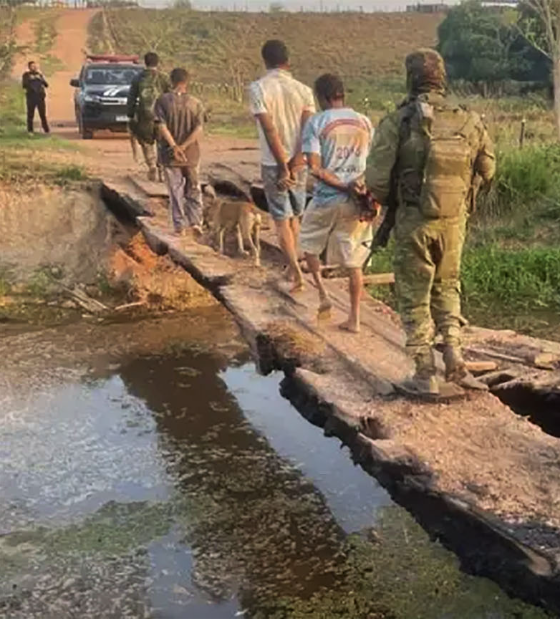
<point>476,184</point>
<point>383,233</point>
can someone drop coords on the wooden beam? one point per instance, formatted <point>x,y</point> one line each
<point>379,278</point>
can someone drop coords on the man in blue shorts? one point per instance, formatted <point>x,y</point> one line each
<point>281,106</point>
<point>336,142</point>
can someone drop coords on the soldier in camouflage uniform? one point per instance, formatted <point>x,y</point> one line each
<point>145,90</point>
<point>425,159</point>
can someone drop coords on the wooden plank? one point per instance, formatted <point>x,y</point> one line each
<point>434,453</point>
<point>379,278</point>
<point>151,189</point>
<point>477,367</point>
<point>501,356</point>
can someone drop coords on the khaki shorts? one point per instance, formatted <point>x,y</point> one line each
<point>335,227</point>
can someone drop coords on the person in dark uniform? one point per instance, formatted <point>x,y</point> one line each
<point>35,85</point>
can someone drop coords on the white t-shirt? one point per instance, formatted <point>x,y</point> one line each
<point>342,137</point>
<point>285,99</point>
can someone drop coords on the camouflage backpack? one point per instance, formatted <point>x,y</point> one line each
<point>151,86</point>
<point>438,139</point>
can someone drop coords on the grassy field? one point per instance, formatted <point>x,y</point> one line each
<point>26,161</point>
<point>217,46</point>
<point>222,51</point>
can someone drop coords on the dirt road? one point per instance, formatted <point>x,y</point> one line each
<point>69,48</point>
<point>108,154</point>
<point>70,43</point>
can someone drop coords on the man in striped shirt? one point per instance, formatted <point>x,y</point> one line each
<point>336,142</point>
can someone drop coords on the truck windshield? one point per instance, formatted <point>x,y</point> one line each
<point>117,76</point>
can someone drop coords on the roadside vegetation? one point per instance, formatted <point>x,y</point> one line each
<point>26,161</point>
<point>222,51</point>
<point>45,37</point>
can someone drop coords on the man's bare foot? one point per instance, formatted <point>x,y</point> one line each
<point>350,326</point>
<point>324,311</point>
<point>298,286</point>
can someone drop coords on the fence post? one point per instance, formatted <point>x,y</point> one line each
<point>522,133</point>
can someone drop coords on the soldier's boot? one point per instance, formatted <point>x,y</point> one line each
<point>149,151</point>
<point>456,370</point>
<point>424,381</point>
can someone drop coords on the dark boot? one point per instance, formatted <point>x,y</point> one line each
<point>456,370</point>
<point>424,381</point>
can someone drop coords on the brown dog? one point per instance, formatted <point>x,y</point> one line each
<point>243,217</point>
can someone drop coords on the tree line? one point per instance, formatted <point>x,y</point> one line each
<point>504,51</point>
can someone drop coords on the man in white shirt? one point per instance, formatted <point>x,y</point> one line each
<point>282,106</point>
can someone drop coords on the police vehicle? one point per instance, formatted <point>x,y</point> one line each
<point>101,93</point>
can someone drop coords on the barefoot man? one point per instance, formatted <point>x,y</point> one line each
<point>180,119</point>
<point>336,142</point>
<point>282,106</point>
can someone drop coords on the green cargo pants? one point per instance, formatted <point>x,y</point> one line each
<point>144,133</point>
<point>427,268</point>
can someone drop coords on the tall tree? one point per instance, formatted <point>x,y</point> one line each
<point>476,43</point>
<point>540,25</point>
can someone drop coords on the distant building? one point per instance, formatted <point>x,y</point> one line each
<point>500,4</point>
<point>427,8</point>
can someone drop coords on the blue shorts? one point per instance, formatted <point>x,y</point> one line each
<point>287,204</point>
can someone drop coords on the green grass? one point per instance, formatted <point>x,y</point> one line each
<point>24,159</point>
<point>524,177</point>
<point>523,278</point>
<point>222,52</point>
<point>512,257</point>
<point>12,107</point>
<point>45,34</point>
<point>6,280</point>
<point>45,37</point>
<point>382,262</point>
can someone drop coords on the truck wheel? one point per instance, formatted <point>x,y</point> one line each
<point>86,134</point>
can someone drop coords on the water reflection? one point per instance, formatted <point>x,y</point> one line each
<point>254,523</point>
<point>181,484</point>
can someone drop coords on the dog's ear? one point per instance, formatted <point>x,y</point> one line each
<point>209,191</point>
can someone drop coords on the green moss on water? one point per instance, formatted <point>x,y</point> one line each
<point>115,529</point>
<point>395,571</point>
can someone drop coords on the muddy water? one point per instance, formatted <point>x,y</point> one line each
<point>146,470</point>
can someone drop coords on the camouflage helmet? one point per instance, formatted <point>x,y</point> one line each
<point>425,70</point>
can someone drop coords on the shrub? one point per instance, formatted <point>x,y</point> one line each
<point>528,277</point>
<point>526,179</point>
